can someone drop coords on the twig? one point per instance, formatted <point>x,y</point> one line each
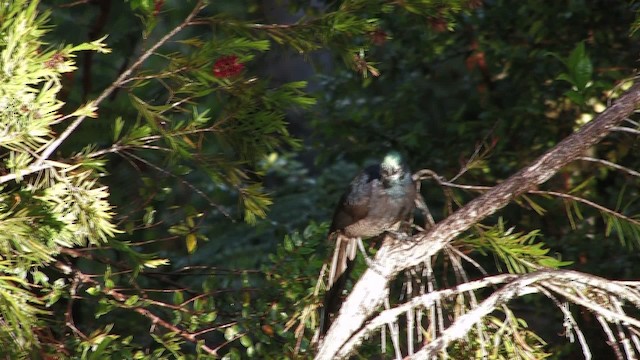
<point>525,284</point>
<point>457,264</point>
<point>429,173</point>
<point>611,165</point>
<point>595,307</point>
<point>625,129</point>
<point>116,148</point>
<point>394,332</point>
<point>184,182</point>
<point>476,153</point>
<point>626,342</point>
<point>569,323</point>
<point>149,77</point>
<point>411,316</point>
<point>68,315</point>
<point>587,202</point>
<point>238,336</point>
<point>612,341</point>
<point>29,170</point>
<point>427,300</point>
<point>634,123</point>
<point>121,298</point>
<point>469,260</point>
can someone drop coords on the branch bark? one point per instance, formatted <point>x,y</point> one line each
<point>394,256</point>
<point>555,280</point>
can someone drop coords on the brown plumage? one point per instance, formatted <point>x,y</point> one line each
<point>377,200</point>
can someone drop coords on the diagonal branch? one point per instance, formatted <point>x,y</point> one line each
<point>394,256</point>
<point>117,83</point>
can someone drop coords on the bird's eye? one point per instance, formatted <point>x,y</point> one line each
<point>389,172</point>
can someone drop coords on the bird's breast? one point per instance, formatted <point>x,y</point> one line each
<point>384,213</point>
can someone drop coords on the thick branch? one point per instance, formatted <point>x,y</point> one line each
<point>395,256</point>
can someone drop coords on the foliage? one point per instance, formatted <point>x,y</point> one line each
<point>518,252</point>
<point>166,190</point>
<point>64,206</point>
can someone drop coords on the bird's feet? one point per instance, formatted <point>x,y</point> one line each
<point>399,235</point>
<point>370,263</point>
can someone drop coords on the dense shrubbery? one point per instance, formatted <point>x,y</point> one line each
<point>155,203</point>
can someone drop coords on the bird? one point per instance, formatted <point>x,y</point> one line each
<point>377,200</point>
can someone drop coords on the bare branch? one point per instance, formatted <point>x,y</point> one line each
<point>426,301</point>
<point>570,324</point>
<point>563,282</point>
<point>611,165</point>
<point>625,129</point>
<point>463,324</point>
<point>587,202</point>
<point>610,337</point>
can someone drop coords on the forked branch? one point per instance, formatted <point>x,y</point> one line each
<point>395,256</point>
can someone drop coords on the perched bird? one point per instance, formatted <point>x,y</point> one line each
<point>377,200</point>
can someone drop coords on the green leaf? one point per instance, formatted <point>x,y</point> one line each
<point>94,290</point>
<point>246,341</point>
<point>192,243</point>
<point>132,300</point>
<point>178,297</point>
<point>577,54</point>
<point>582,73</point>
<point>575,96</point>
<point>155,263</point>
<point>118,124</point>
<point>231,332</point>
<point>149,215</point>
<point>288,243</point>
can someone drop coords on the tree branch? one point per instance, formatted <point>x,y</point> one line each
<point>426,300</point>
<point>554,280</point>
<point>117,83</point>
<point>122,298</point>
<point>394,256</point>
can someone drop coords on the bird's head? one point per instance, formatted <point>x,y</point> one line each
<point>392,168</point>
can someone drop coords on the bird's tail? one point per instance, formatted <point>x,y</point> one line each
<point>341,266</point>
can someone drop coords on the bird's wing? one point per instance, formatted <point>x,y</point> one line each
<point>353,207</point>
<point>354,203</point>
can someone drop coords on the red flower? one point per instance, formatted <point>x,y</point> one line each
<point>157,6</point>
<point>438,24</point>
<point>227,66</point>
<point>378,37</point>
